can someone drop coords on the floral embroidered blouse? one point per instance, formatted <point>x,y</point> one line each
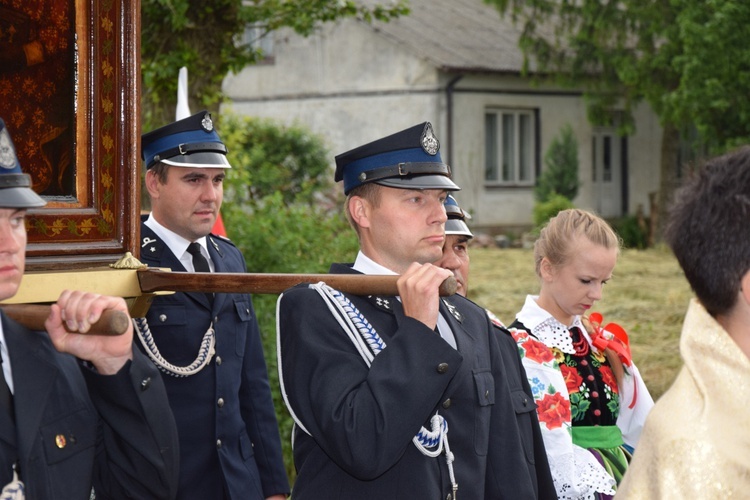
<point>573,384</point>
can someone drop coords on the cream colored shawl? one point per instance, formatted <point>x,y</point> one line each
<point>696,441</point>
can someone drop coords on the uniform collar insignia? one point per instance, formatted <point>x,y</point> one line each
<point>454,311</point>
<point>215,245</point>
<point>149,246</point>
<point>383,303</point>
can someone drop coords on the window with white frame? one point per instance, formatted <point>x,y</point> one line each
<point>510,150</point>
<point>257,37</point>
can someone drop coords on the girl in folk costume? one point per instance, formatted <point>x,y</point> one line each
<point>591,400</point>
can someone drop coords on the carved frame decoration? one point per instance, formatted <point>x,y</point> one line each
<point>101,223</point>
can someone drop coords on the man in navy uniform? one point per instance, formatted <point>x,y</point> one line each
<point>456,252</point>
<point>408,396</point>
<point>456,248</point>
<point>208,346</point>
<point>96,426</point>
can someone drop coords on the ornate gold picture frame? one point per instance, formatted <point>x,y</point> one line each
<point>94,220</point>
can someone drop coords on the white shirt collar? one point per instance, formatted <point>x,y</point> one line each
<point>7,372</point>
<point>366,265</point>
<point>177,244</point>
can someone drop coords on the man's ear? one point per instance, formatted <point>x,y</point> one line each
<point>151,182</point>
<point>359,209</point>
<point>745,288</point>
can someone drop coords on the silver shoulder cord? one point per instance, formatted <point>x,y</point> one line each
<point>205,353</point>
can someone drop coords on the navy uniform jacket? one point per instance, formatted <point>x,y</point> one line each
<point>76,430</point>
<point>362,420</point>
<point>225,415</point>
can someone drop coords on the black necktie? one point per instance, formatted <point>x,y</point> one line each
<point>200,263</point>
<point>6,397</point>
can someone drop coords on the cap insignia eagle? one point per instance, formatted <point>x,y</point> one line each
<point>430,143</point>
<point>207,123</point>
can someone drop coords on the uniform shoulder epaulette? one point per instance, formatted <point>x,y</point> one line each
<point>223,239</point>
<point>221,236</point>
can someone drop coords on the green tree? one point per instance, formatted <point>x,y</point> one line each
<point>203,36</point>
<point>685,58</point>
<point>560,175</point>
<point>273,159</point>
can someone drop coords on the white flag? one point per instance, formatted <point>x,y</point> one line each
<point>183,108</point>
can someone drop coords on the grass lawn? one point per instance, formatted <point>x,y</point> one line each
<point>648,296</point>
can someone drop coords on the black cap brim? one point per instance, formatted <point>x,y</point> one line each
<point>204,159</point>
<point>442,182</point>
<point>457,227</point>
<point>20,197</point>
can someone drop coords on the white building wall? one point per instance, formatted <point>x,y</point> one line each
<point>493,205</point>
<point>345,83</point>
<point>340,57</point>
<point>352,86</point>
<point>644,158</point>
<point>512,206</point>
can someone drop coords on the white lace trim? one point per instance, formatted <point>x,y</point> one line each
<point>546,328</point>
<point>579,476</point>
<point>552,333</point>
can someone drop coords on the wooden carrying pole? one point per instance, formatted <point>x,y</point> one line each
<point>155,280</point>
<point>33,316</point>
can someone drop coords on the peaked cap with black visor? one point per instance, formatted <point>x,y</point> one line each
<point>190,142</point>
<point>15,186</point>
<point>409,159</point>
<point>456,223</point>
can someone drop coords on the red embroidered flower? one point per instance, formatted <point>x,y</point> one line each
<point>553,410</point>
<point>572,379</point>
<point>609,378</point>
<point>537,351</point>
<point>518,334</point>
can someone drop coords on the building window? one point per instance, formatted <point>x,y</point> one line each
<point>509,147</point>
<point>602,156</point>
<point>258,38</point>
<point>609,188</point>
